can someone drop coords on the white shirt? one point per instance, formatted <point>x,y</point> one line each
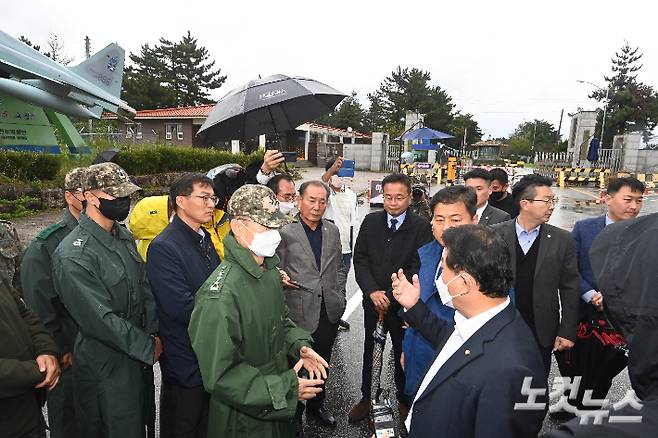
<point>464,329</point>
<point>480,210</point>
<point>341,209</point>
<point>399,220</point>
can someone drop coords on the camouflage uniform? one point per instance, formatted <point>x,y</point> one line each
<point>101,279</point>
<point>39,293</point>
<point>243,337</point>
<point>10,254</point>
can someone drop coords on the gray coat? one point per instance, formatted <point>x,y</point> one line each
<point>298,261</point>
<point>492,215</point>
<point>556,290</point>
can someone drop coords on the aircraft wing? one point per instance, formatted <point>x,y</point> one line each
<point>95,83</point>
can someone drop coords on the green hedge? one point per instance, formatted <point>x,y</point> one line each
<point>163,159</point>
<point>29,166</point>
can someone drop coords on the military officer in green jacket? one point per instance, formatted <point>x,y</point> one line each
<point>39,294</point>
<point>101,280</point>
<point>241,332</point>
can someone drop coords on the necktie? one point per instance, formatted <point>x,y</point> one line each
<point>394,222</point>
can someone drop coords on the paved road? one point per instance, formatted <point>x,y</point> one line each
<point>343,387</point>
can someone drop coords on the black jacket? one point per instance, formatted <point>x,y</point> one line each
<point>378,252</point>
<point>178,263</point>
<point>474,393</point>
<point>22,339</point>
<point>556,283</point>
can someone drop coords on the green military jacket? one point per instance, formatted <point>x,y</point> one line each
<point>10,254</point>
<point>243,338</point>
<point>101,279</point>
<point>22,339</point>
<point>37,282</point>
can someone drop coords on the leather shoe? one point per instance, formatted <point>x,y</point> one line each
<point>323,415</point>
<point>359,411</point>
<point>343,325</point>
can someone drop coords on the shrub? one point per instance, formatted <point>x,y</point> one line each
<point>29,166</point>
<point>163,159</point>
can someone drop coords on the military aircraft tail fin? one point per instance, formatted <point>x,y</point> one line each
<point>104,69</point>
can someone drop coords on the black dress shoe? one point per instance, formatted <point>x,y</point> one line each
<point>323,415</point>
<point>343,325</point>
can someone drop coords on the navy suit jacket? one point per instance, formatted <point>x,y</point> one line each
<point>584,233</point>
<point>474,393</point>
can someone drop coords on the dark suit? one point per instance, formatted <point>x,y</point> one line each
<point>378,253</point>
<point>584,233</point>
<point>474,392</point>
<point>492,215</point>
<point>556,282</point>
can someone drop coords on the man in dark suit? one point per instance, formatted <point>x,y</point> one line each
<point>311,256</point>
<point>475,381</point>
<point>500,197</point>
<point>480,181</point>
<point>388,240</point>
<point>624,201</point>
<point>545,267</point>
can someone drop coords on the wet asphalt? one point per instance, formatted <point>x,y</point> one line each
<point>343,386</point>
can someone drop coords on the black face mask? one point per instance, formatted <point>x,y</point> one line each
<point>496,196</point>
<point>115,209</point>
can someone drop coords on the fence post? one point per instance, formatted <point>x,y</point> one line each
<point>560,179</point>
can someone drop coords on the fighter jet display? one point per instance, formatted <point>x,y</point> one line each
<point>83,91</point>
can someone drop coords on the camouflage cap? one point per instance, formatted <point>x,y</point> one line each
<point>74,179</point>
<point>110,178</point>
<point>258,203</point>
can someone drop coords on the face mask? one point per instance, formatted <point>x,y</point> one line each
<point>496,196</point>
<point>116,209</point>
<point>444,294</point>
<point>265,243</point>
<point>286,207</point>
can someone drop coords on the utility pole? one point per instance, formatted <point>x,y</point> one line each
<point>559,129</point>
<point>90,123</point>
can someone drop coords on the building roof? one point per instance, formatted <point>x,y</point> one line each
<point>202,112</point>
<point>186,112</point>
<point>488,143</point>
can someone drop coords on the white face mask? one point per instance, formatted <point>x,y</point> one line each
<point>444,294</point>
<point>265,243</point>
<point>286,207</point>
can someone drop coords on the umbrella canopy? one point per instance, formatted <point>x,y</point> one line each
<point>269,105</point>
<point>425,134</point>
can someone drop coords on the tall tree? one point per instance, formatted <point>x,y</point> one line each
<point>55,50</point>
<point>143,82</point>
<point>631,105</point>
<point>171,74</point>
<point>538,135</point>
<point>410,89</point>
<point>349,113</point>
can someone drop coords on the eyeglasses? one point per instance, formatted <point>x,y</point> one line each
<point>552,201</point>
<point>398,198</point>
<point>206,198</point>
<point>289,197</point>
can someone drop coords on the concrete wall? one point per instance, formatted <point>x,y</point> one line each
<point>635,159</point>
<point>368,156</point>
<point>583,124</point>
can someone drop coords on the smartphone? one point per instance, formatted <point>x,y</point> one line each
<point>290,157</point>
<point>346,170</point>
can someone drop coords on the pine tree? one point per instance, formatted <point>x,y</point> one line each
<point>631,105</point>
<point>171,74</point>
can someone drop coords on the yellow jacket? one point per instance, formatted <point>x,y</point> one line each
<point>150,216</point>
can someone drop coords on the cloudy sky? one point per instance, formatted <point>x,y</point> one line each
<point>503,61</point>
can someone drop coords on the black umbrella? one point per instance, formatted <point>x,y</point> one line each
<point>106,156</point>
<point>269,105</point>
